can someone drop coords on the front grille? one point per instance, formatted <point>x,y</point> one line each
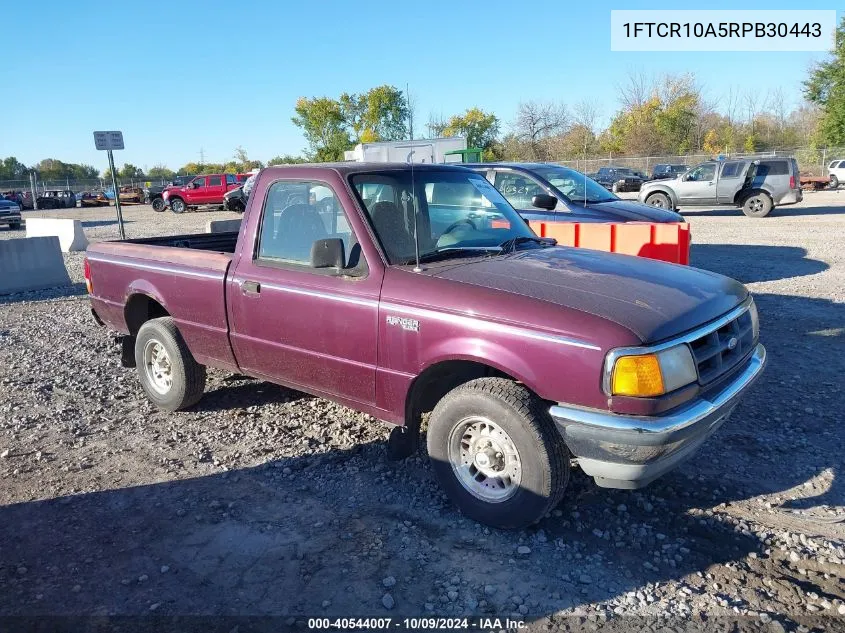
<point>713,353</point>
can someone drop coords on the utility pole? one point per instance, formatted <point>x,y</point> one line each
<point>410,113</point>
<point>202,156</point>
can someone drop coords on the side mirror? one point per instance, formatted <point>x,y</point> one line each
<point>544,201</point>
<point>328,253</point>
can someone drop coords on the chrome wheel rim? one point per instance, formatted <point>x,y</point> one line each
<point>484,459</point>
<point>657,201</point>
<point>158,367</point>
<point>756,205</point>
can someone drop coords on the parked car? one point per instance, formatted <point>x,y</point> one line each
<point>10,214</point>
<point>131,194</point>
<point>619,179</point>
<point>208,189</point>
<point>836,169</point>
<point>661,172</point>
<point>153,195</point>
<point>520,353</point>
<point>88,199</point>
<point>756,186</point>
<point>578,198</point>
<point>56,199</point>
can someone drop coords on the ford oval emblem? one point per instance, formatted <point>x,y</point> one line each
<point>732,343</point>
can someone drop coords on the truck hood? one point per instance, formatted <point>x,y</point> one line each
<point>652,299</point>
<point>629,211</point>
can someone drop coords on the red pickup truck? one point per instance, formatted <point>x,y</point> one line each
<point>403,291</point>
<point>207,189</point>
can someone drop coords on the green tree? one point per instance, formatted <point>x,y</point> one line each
<point>380,114</point>
<point>242,163</point>
<point>160,171</point>
<point>324,127</point>
<point>478,127</point>
<point>826,88</point>
<point>12,169</point>
<point>287,159</point>
<point>129,171</point>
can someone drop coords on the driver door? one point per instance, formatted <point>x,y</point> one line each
<point>302,326</point>
<point>698,186</point>
<point>195,192</point>
<point>518,189</point>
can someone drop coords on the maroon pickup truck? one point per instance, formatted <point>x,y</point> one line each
<point>417,294</point>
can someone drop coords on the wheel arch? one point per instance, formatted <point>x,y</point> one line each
<point>743,194</point>
<point>141,307</point>
<point>667,191</point>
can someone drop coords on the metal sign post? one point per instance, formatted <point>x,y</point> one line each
<point>110,141</point>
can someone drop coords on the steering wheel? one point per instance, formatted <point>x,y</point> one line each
<point>455,225</point>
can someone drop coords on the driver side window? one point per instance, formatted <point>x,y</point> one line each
<point>702,173</point>
<point>198,182</point>
<point>518,189</point>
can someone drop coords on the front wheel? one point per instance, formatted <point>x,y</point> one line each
<point>158,205</point>
<point>177,205</point>
<point>757,205</point>
<point>496,453</point>
<point>659,200</point>
<point>615,187</point>
<point>169,374</point>
<point>834,182</point>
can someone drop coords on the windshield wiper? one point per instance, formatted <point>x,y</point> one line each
<point>453,251</point>
<point>509,246</point>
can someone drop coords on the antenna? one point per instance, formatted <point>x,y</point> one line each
<point>417,268</point>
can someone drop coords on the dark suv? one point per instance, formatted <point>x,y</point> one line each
<point>579,198</point>
<point>663,172</point>
<point>619,179</point>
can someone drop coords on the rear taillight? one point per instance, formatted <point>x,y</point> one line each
<point>87,272</point>
<point>792,182</point>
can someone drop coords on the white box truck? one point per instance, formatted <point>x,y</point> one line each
<point>433,150</point>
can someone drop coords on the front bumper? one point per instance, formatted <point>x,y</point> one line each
<point>10,218</point>
<point>621,451</point>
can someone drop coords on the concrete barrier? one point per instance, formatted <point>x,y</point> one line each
<point>70,234</point>
<point>31,263</point>
<point>223,226</point>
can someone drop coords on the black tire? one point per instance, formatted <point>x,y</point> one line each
<point>187,375</point>
<point>542,455</point>
<point>757,205</point>
<point>659,200</point>
<point>158,205</point>
<point>834,182</point>
<point>177,205</point>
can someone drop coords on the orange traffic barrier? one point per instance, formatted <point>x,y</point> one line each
<point>669,242</point>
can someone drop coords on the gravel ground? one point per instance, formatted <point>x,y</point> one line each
<point>265,501</point>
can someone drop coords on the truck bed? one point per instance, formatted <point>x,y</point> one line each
<point>184,274</point>
<point>217,242</point>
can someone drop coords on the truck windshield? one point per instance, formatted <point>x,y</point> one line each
<point>458,213</point>
<point>574,185</point>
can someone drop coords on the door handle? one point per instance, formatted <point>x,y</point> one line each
<point>250,287</point>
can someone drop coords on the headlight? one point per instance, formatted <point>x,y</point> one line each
<point>755,319</point>
<point>647,375</point>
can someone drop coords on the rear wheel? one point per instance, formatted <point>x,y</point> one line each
<point>158,205</point>
<point>169,374</point>
<point>177,205</point>
<point>757,206</point>
<point>659,200</point>
<point>834,182</point>
<point>496,453</point>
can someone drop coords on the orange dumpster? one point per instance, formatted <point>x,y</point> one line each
<point>668,242</point>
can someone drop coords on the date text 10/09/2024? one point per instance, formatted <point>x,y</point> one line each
<point>722,29</point>
<point>416,624</point>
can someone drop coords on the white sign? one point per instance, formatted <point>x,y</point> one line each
<point>108,140</point>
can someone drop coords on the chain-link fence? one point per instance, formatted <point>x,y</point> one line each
<point>810,160</point>
<point>78,186</point>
